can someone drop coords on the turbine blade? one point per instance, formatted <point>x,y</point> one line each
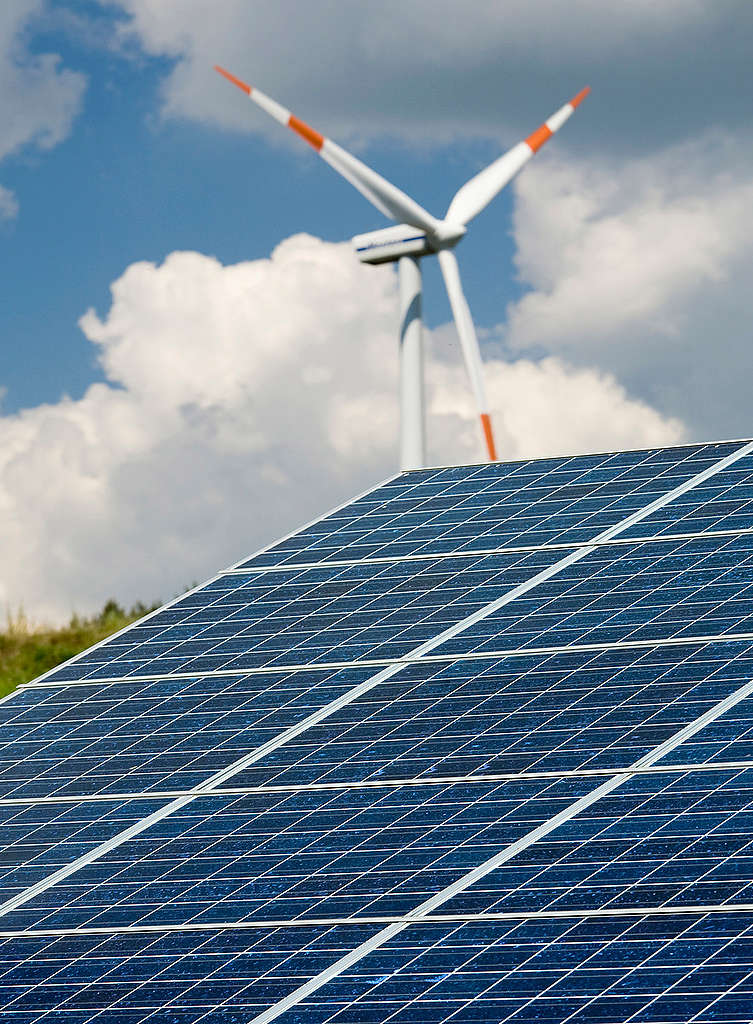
<point>387,198</point>
<point>468,343</point>
<point>476,194</point>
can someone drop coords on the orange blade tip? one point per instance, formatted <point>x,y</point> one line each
<point>580,97</point>
<point>486,426</point>
<point>233,79</point>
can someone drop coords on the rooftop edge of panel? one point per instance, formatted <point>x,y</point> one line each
<point>542,458</point>
<point>399,475</point>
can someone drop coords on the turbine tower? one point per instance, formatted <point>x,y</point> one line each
<point>418,234</point>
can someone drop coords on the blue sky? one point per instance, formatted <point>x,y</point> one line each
<point>235,373</point>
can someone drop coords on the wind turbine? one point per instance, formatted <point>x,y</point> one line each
<point>417,234</point>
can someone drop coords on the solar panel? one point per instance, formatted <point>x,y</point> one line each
<point>466,508</point>
<point>475,746</point>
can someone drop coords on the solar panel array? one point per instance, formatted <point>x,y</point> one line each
<point>477,746</point>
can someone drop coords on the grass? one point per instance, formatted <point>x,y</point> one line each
<point>27,650</point>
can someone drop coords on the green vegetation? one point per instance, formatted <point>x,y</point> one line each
<point>26,651</point>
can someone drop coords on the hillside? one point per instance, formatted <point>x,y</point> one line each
<point>26,651</point>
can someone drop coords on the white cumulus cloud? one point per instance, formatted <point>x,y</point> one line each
<point>435,69</point>
<point>241,401</point>
<point>645,274</point>
<point>38,97</point>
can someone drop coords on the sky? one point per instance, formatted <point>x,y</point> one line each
<point>192,361</point>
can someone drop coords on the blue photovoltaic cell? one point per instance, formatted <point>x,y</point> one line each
<point>729,738</point>
<point>652,591</point>
<point>553,712</point>
<point>38,839</point>
<point>317,854</point>
<point>611,969</point>
<point>723,502</point>
<point>543,712</point>
<point>562,500</point>
<point>659,840</point>
<point>295,617</point>
<point>674,839</point>
<point>647,591</point>
<point>139,735</point>
<point>71,978</point>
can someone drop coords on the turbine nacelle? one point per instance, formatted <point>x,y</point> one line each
<point>390,244</point>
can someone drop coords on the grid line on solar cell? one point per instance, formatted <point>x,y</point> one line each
<point>484,655</point>
<point>475,875</point>
<point>317,616</point>
<point>682,839</point>
<point>438,970</point>
<point>508,550</point>
<point>649,591</point>
<point>595,794</point>
<point>423,780</point>
<point>702,587</point>
<point>453,509</point>
<point>566,710</point>
<point>458,917</point>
